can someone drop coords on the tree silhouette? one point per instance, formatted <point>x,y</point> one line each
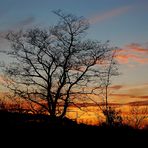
<point>108,70</point>
<point>113,117</point>
<point>51,66</point>
<point>137,115</point>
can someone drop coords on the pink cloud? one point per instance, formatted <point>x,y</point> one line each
<point>137,48</point>
<point>141,61</point>
<point>124,58</point>
<point>109,14</point>
<point>133,52</point>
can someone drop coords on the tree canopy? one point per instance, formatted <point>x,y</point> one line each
<point>54,65</point>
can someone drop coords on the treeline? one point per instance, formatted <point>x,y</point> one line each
<point>136,117</point>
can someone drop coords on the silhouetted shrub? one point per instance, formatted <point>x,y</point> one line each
<point>113,117</point>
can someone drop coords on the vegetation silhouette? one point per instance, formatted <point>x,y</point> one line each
<point>37,126</point>
<point>53,68</point>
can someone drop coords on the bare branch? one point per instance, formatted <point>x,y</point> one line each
<point>51,65</point>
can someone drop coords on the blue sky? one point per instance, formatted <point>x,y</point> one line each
<point>127,26</point>
<point>123,22</point>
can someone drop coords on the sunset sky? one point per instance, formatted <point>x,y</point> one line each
<point>123,22</point>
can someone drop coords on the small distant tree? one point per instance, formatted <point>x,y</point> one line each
<point>137,115</point>
<point>113,117</point>
<point>51,66</point>
<point>109,69</point>
<point>3,105</point>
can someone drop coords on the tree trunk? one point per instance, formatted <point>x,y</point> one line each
<point>64,110</point>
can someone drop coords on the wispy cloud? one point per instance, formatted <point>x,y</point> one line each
<point>24,22</point>
<point>125,59</point>
<point>120,96</point>
<point>27,21</point>
<point>116,87</point>
<point>127,96</point>
<point>138,103</point>
<point>135,47</point>
<point>109,14</point>
<point>144,97</point>
<point>19,24</point>
<point>133,52</point>
<point>129,93</point>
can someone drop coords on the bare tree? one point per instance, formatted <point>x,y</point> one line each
<point>111,69</point>
<point>51,66</point>
<point>108,70</point>
<point>137,115</point>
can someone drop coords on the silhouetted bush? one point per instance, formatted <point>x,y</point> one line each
<point>113,117</point>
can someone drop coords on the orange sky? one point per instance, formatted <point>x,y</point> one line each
<point>122,22</point>
<point>92,115</point>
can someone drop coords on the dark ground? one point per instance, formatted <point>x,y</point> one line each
<point>23,130</point>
